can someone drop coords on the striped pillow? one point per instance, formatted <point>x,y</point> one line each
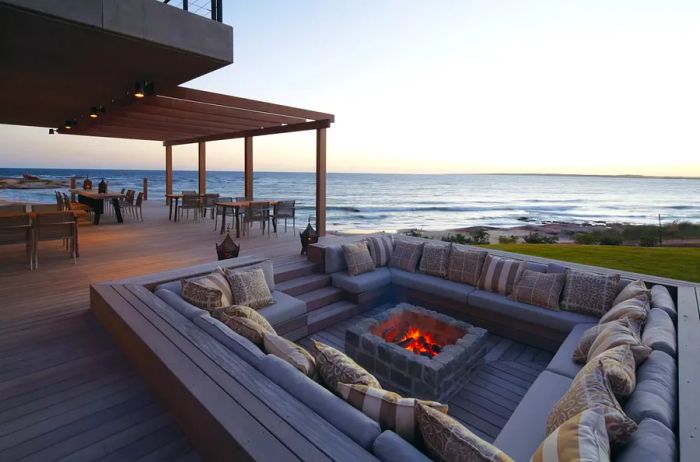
<point>500,274</point>
<point>211,291</point>
<point>380,247</point>
<point>582,437</point>
<point>386,407</point>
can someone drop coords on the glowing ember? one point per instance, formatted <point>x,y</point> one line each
<point>419,342</point>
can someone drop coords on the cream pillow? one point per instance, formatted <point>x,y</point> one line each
<point>290,352</point>
<point>336,367</point>
<point>634,289</point>
<point>249,288</point>
<point>581,438</point>
<point>636,309</point>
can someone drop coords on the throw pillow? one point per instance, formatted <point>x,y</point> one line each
<point>380,247</point>
<point>241,311</point>
<point>636,309</point>
<point>334,366</point>
<point>625,332</point>
<point>289,351</point>
<point>634,289</point>
<point>357,258</point>
<point>581,438</point>
<point>539,289</point>
<point>249,288</point>
<point>589,293</point>
<point>386,407</point>
<point>434,259</point>
<point>591,389</point>
<point>447,440</point>
<point>589,335</point>
<point>465,265</point>
<point>247,328</point>
<point>619,367</point>
<point>406,255</point>
<point>211,291</point>
<point>500,274</point>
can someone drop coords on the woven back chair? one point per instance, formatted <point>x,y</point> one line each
<point>285,210</point>
<point>219,211</point>
<point>190,202</point>
<point>55,226</point>
<point>16,230</point>
<point>258,212</point>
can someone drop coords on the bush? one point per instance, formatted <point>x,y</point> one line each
<point>414,233</point>
<point>478,237</point>
<point>604,237</point>
<point>537,238</point>
<point>648,241</point>
<point>508,239</point>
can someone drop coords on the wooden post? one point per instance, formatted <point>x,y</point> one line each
<point>321,181</point>
<point>145,188</point>
<point>168,172</point>
<point>202,168</point>
<point>72,186</point>
<point>248,167</point>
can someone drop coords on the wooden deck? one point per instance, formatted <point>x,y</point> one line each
<point>66,391</point>
<point>490,394</point>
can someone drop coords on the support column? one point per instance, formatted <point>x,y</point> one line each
<point>248,167</point>
<point>168,171</point>
<point>202,168</point>
<point>321,181</point>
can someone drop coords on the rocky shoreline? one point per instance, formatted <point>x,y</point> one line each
<point>24,183</point>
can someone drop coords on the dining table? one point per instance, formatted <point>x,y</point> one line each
<point>237,206</point>
<point>96,200</point>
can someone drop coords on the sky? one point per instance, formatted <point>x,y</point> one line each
<point>469,86</point>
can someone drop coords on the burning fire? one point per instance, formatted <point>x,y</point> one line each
<point>419,342</point>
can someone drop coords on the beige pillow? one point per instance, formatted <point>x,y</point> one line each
<point>625,332</point>
<point>247,328</point>
<point>590,389</point>
<point>240,311</point>
<point>405,255</point>
<point>589,293</point>
<point>447,440</point>
<point>499,274</point>
<point>357,258</point>
<point>207,292</point>
<point>434,259</point>
<point>380,247</point>
<point>636,309</point>
<point>465,265</point>
<point>249,288</point>
<point>539,289</point>
<point>386,407</point>
<point>580,354</point>
<point>620,369</point>
<point>336,367</point>
<point>292,353</point>
<point>634,289</point>
<point>581,438</point>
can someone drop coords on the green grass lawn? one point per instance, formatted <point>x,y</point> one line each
<point>671,262</point>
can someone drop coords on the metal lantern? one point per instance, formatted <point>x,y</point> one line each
<point>87,184</point>
<point>308,236</point>
<point>228,248</point>
<point>102,187</point>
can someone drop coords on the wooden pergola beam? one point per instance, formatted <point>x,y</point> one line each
<point>250,133</point>
<point>202,151</point>
<point>321,181</point>
<point>168,171</point>
<point>248,167</point>
<point>140,120</point>
<point>190,116</point>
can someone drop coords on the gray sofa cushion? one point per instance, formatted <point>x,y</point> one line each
<point>179,304</point>
<point>449,289</point>
<point>524,431</point>
<point>390,447</point>
<point>655,396</point>
<point>652,442</point>
<point>364,282</point>
<point>659,332</point>
<point>334,259</point>
<point>231,340</point>
<point>661,298</point>
<point>562,362</point>
<point>562,321</point>
<point>285,308</point>
<point>334,410</point>
<point>539,267</point>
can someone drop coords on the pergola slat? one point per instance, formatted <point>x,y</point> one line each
<point>197,117</point>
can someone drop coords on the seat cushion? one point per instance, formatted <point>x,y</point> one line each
<point>659,332</point>
<point>285,308</point>
<point>524,431</point>
<point>179,304</point>
<point>661,298</point>
<point>434,285</point>
<point>337,412</point>
<point>390,447</point>
<point>364,282</point>
<point>656,394</point>
<point>334,259</point>
<point>562,321</point>
<point>238,344</point>
<point>563,362</point>
<point>652,442</point>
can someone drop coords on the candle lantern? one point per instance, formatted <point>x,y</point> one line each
<point>228,248</point>
<point>102,187</point>
<point>87,184</point>
<point>308,236</point>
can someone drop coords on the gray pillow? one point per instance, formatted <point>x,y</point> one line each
<point>434,259</point>
<point>651,442</point>
<point>661,298</point>
<point>465,264</point>
<point>655,396</point>
<point>357,258</point>
<point>380,247</point>
<point>659,332</point>
<point>589,293</point>
<point>539,289</point>
<point>406,255</point>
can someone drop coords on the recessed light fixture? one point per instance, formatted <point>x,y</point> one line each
<point>94,112</point>
<point>142,89</point>
<point>68,125</point>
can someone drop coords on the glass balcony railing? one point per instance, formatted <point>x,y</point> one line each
<point>207,8</point>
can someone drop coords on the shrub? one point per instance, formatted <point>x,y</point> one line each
<point>602,237</point>
<point>414,233</point>
<point>475,237</point>
<point>611,239</point>
<point>585,239</point>
<point>648,241</point>
<point>537,238</point>
<point>508,239</point>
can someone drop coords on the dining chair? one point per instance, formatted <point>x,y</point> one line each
<point>257,212</point>
<point>209,204</point>
<point>219,211</point>
<point>190,202</point>
<point>135,209</point>
<point>55,226</point>
<point>82,209</point>
<point>17,230</point>
<point>284,210</point>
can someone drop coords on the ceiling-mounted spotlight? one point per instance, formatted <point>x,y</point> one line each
<point>50,131</point>
<point>95,111</point>
<point>70,124</point>
<point>142,89</point>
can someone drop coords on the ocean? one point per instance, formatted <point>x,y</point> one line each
<point>430,202</point>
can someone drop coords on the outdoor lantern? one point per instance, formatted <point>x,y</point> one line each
<point>102,187</point>
<point>228,248</point>
<point>87,184</point>
<point>308,236</point>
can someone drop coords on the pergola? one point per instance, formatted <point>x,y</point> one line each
<point>179,116</point>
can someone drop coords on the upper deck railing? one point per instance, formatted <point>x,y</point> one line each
<point>207,8</point>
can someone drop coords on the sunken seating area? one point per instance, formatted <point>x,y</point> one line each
<point>232,398</point>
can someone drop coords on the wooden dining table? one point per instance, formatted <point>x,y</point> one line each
<point>237,206</point>
<point>96,200</point>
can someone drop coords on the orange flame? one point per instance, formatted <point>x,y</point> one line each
<point>421,342</point>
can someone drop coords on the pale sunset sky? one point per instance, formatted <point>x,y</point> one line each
<point>468,86</point>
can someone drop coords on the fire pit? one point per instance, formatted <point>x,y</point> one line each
<point>417,352</point>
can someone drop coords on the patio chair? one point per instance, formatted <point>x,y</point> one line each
<point>257,212</point>
<point>190,202</point>
<point>60,203</point>
<point>284,210</point>
<point>135,209</point>
<point>219,211</point>
<point>209,203</point>
<point>55,226</point>
<point>81,210</point>
<point>16,230</point>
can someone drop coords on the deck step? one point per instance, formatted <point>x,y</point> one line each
<point>332,314</point>
<point>304,284</point>
<point>321,297</point>
<point>293,270</point>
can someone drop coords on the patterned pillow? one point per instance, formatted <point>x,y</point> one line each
<point>619,367</point>
<point>625,332</point>
<point>465,265</point>
<point>636,309</point>
<point>380,247</point>
<point>247,328</point>
<point>448,440</point>
<point>334,366</point>
<point>249,288</point>
<point>588,390</point>
<point>539,289</point>
<point>211,291</point>
<point>634,289</point>
<point>581,438</point>
<point>434,259</point>
<point>357,258</point>
<point>292,353</point>
<point>500,274</point>
<point>241,311</point>
<point>589,293</point>
<point>584,344</point>
<point>406,255</point>
<point>386,407</point>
